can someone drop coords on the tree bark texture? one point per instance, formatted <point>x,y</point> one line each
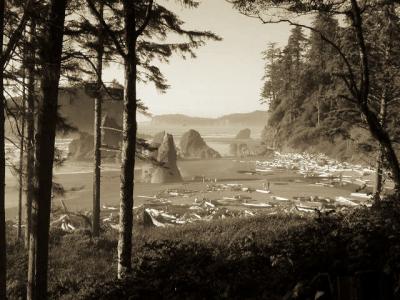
<point>97,132</point>
<point>3,264</point>
<point>128,144</point>
<point>30,135</point>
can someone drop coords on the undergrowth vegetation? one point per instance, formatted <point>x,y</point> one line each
<point>263,257</point>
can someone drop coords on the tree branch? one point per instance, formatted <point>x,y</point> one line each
<point>146,20</point>
<point>16,35</point>
<point>107,28</point>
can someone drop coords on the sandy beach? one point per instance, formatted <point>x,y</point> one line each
<point>76,178</point>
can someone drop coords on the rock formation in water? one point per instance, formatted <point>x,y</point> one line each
<point>249,149</point>
<point>111,133</point>
<point>168,170</point>
<point>81,148</point>
<point>193,146</point>
<point>264,135</point>
<point>155,143</point>
<point>244,134</point>
<point>239,149</point>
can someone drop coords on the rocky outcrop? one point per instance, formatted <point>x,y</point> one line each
<point>264,134</point>
<point>81,148</point>
<point>239,149</point>
<point>244,134</point>
<point>111,133</point>
<point>168,170</point>
<point>250,149</point>
<point>192,145</point>
<point>155,143</point>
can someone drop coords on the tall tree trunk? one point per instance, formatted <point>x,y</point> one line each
<point>378,187</point>
<point>30,138</point>
<point>21,151</point>
<point>97,130</point>
<point>128,144</point>
<point>3,263</point>
<point>50,55</point>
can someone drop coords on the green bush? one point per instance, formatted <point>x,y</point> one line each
<point>262,257</point>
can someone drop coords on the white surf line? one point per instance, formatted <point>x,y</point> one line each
<point>85,171</point>
<point>73,172</point>
<point>146,197</point>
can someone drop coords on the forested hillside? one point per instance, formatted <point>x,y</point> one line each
<point>305,85</point>
<point>256,118</point>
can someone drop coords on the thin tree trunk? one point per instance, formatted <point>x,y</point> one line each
<point>21,151</point>
<point>97,130</point>
<point>389,9</point>
<point>50,54</point>
<point>30,119</point>
<point>128,145</point>
<point>3,260</point>
<point>385,143</point>
<point>381,151</point>
<point>378,187</point>
<point>376,129</point>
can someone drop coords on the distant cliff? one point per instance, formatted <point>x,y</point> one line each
<point>252,119</point>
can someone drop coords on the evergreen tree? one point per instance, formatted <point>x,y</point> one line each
<point>142,21</point>
<point>50,59</point>
<point>5,54</point>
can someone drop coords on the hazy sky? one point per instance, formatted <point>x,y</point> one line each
<point>226,76</point>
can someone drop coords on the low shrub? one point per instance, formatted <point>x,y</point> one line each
<point>262,257</point>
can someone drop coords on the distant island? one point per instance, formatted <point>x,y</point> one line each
<point>252,119</point>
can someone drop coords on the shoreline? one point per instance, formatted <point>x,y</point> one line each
<point>76,178</point>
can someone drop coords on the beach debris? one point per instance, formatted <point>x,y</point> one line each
<point>317,166</point>
<point>279,198</point>
<point>64,222</point>
<point>149,218</point>
<point>257,204</point>
<point>264,191</point>
<point>361,195</point>
<point>107,207</point>
<point>345,201</point>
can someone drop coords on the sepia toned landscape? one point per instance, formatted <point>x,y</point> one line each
<point>214,149</point>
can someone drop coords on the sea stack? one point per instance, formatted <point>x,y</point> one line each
<point>155,143</point>
<point>167,171</point>
<point>244,134</point>
<point>111,133</point>
<point>193,146</point>
<point>82,147</point>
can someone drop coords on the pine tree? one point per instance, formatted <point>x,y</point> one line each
<point>141,21</point>
<point>50,60</point>
<point>5,55</point>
